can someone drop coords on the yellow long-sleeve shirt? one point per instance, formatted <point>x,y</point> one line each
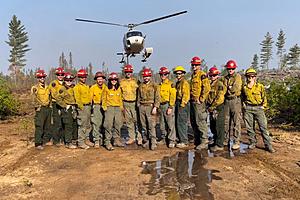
<point>82,94</point>
<point>233,85</point>
<point>255,95</point>
<point>96,93</point>
<point>129,89</point>
<point>112,97</point>
<point>41,95</point>
<point>200,86</point>
<point>66,97</point>
<point>167,92</point>
<point>183,92</point>
<point>148,93</point>
<point>216,94</point>
<point>54,88</point>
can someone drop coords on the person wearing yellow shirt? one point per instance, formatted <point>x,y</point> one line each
<point>41,95</point>
<point>148,100</point>
<point>255,101</point>
<point>66,100</point>
<point>56,125</point>
<point>97,116</point>
<point>167,107</point>
<point>182,107</point>
<point>200,88</point>
<point>232,105</point>
<point>215,107</point>
<point>112,104</point>
<point>83,103</point>
<point>129,87</point>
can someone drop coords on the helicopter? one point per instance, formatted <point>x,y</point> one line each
<point>133,40</point>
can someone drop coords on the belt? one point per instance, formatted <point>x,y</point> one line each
<point>147,104</point>
<point>88,104</point>
<point>129,101</point>
<point>231,98</point>
<point>164,103</point>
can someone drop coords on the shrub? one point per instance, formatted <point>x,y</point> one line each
<point>8,104</point>
<point>284,101</point>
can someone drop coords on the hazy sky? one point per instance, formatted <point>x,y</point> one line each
<point>216,30</point>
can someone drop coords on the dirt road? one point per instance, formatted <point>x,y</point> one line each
<point>135,173</point>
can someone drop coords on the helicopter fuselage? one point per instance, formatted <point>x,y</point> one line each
<point>133,42</point>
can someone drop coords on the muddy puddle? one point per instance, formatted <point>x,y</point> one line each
<point>181,176</point>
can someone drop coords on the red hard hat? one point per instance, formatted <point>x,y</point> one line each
<point>128,68</point>
<point>82,73</point>
<point>213,71</point>
<point>164,70</point>
<point>59,71</point>
<point>69,76</point>
<point>99,74</point>
<point>146,72</point>
<point>196,61</point>
<point>231,64</point>
<point>40,73</point>
<point>113,75</point>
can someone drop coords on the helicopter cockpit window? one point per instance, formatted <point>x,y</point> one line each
<point>134,33</point>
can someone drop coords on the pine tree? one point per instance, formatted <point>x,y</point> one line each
<point>254,63</point>
<point>266,51</point>
<point>204,66</point>
<point>17,40</point>
<point>284,61</point>
<point>280,44</point>
<point>294,56</point>
<point>70,60</point>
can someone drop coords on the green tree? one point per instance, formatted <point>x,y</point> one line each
<point>284,61</point>
<point>266,51</point>
<point>204,66</point>
<point>280,46</point>
<point>17,40</point>
<point>254,63</point>
<point>294,56</point>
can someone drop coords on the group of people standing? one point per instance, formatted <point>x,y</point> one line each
<point>68,113</point>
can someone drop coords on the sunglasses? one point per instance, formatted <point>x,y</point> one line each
<point>230,69</point>
<point>214,75</point>
<point>60,75</point>
<point>41,77</point>
<point>177,74</point>
<point>195,65</point>
<point>113,79</point>
<point>164,74</point>
<point>251,76</point>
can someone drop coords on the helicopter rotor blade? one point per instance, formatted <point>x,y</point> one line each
<point>161,18</point>
<point>99,22</point>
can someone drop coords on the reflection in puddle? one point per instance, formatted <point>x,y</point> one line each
<point>180,176</point>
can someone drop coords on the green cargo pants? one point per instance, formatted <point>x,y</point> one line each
<point>56,123</point>
<point>131,120</point>
<point>148,123</point>
<point>182,115</point>
<point>42,125</point>
<point>232,112</point>
<point>199,123</point>
<point>84,124</point>
<point>97,119</point>
<point>216,119</point>
<point>68,124</point>
<point>167,123</point>
<point>252,114</point>
<point>113,120</point>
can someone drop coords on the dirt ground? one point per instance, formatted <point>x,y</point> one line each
<point>136,173</point>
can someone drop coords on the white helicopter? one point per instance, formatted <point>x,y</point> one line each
<point>133,40</point>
